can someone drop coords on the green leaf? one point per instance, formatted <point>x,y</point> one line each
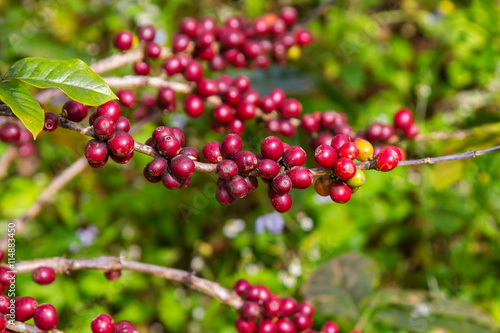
<point>23,105</point>
<point>72,76</point>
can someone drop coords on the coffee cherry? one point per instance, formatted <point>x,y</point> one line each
<point>344,168</point>
<point>232,96</point>
<point>387,159</point>
<point>192,71</point>
<point>122,325</point>
<point>3,323</point>
<point>4,304</point>
<point>301,177</point>
<point>267,104</point>
<point>43,275</point>
<point>358,179</point>
<point>96,151</point>
<point>339,140</point>
<point>289,108</point>
<point>206,87</point>
<point>230,145</point>
<point>160,132</point>
<point>168,146</point>
<point>122,124</point>
<point>303,37</point>
<point>191,153</point>
<point>50,123</point>
<point>410,131</point>
<point>288,306</point>
<point>102,323</point>
<point>294,156</point>
<point>237,187</point>
<point>173,66</point>
<point>193,106</point>
<point>10,133</point>
<point>286,128</point>
<point>325,156</point>
<point>242,83</point>
<point>271,308</point>
<point>285,325</point>
<point>252,293</point>
<point>289,15</point>
<point>240,286</point>
<point>113,275</point>
<point>126,97</point>
<point>152,50</point>
<point>157,166</point>
<point>322,185</point>
<point>365,149</point>
<point>46,317</point>
<point>268,168</point>
<point>252,183</point>
<point>121,144</point>
<point>25,308</point>
<point>281,184</point>
<point>182,166</point>
<point>272,148</point>
<point>387,133</point>
<point>74,111</point>
<point>330,327</point>
<point>282,202</point>
<point>122,159</point>
<point>245,326</point>
<point>179,135</point>
<point>110,109</point>
<point>123,40</point>
<point>266,326</point>
<point>180,43</point>
<point>223,113</point>
<point>104,127</point>
<point>349,150</point>
<point>222,195</point>
<point>236,126</point>
<point>340,192</point>
<point>245,111</point>
<point>166,96</point>
<point>142,68</point>
<point>212,152</point>
<point>189,26</point>
<point>309,123</point>
<point>302,322</point>
<point>250,310</point>
<point>146,33</point>
<point>262,61</point>
<point>246,161</point>
<point>171,181</point>
<point>374,132</point>
<point>305,308</point>
<point>403,118</point>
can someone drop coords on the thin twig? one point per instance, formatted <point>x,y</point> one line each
<point>21,327</point>
<point>107,263</point>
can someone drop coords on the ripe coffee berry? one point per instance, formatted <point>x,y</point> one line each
<point>282,184</point>
<point>192,71</point>
<point>272,148</point>
<point>266,326</point>
<point>10,133</point>
<point>123,40</point>
<point>157,166</point>
<point>410,131</point>
<point>294,156</point>
<point>282,202</point>
<point>387,159</point>
<point>246,161</point>
<point>301,177</point>
<point>121,144</point>
<point>344,168</point>
<point>303,37</point>
<point>142,68</point>
<point>46,317</point>
<point>110,109</point>
<point>339,140</point>
<point>268,169</point>
<point>302,322</point>
<point>173,66</point>
<point>193,105</point>
<point>325,156</point>
<point>3,322</point>
<point>96,151</point>
<point>212,152</point>
<point>50,123</point>
<point>126,97</point>
<point>403,118</point>
<point>171,181</point>
<point>102,323</point>
<point>122,159</point>
<point>179,135</point>
<point>271,308</point>
<point>340,192</point>
<point>245,326</point>
<point>152,50</point>
<point>365,149</point>
<point>168,146</point>
<point>146,33</point>
<point>230,145</point>
<point>240,286</point>
<point>43,275</point>
<point>330,327</point>
<point>250,310</point>
<point>113,275</point>
<point>4,304</point>
<point>245,111</point>
<point>122,124</point>
<point>25,308</point>
<point>223,113</point>
<point>74,111</point>
<point>309,123</point>
<point>349,150</point>
<point>206,87</point>
<point>222,195</point>
<point>236,126</point>
<point>290,108</point>
<point>288,306</point>
<point>237,187</point>
<point>227,169</point>
<point>285,325</point>
<point>180,42</point>
<point>159,133</point>
<point>104,127</point>
<point>182,166</point>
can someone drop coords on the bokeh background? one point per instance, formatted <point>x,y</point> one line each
<point>415,250</point>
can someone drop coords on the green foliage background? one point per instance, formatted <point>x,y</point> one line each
<point>415,250</point>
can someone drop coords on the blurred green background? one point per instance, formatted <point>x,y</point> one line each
<point>415,250</point>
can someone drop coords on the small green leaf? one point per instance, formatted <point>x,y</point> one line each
<point>72,76</point>
<point>23,105</point>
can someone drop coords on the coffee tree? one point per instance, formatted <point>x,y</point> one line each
<point>189,115</point>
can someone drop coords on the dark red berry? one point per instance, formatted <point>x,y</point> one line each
<point>182,166</point>
<point>171,181</point>
<point>232,96</point>
<point>123,40</point>
<point>278,28</point>
<point>159,133</point>
<point>50,123</point>
<point>179,135</point>
<point>173,66</point>
<point>303,37</point>
<point>223,83</point>
<point>110,109</point>
<point>126,97</point>
<point>4,304</point>
<point>3,322</point>
<point>240,286</point>
<point>121,144</point>
<point>46,317</point>
<point>282,202</point>
<point>302,322</point>
<point>250,310</point>
<point>104,127</point>
<point>252,293</point>
<point>223,113</point>
<point>410,131</point>
<point>227,169</point>
<point>236,126</point>
<point>288,306</point>
<point>152,50</point>
<point>301,177</point>
<point>123,324</point>
<point>294,156</point>
<point>340,192</point>
<point>43,275</point>
<point>208,24</point>
<point>146,33</point>
<point>281,184</point>
<point>387,133</point>
<point>330,327</point>
<point>204,38</point>
<point>10,133</point>
<point>122,124</point>
<point>349,150</point>
<point>96,151</point>
<point>387,159</point>
<point>212,152</point>
<point>189,26</point>
<point>339,140</point>
<point>272,148</point>
<point>251,49</point>
<point>271,308</point>
<point>374,132</point>
<point>102,323</point>
<point>113,275</point>
<point>246,161</point>
<point>222,195</point>
<point>206,87</point>
<point>25,308</point>
<point>267,104</point>
<point>242,83</point>
<point>309,123</point>
<point>245,326</point>
<point>230,145</point>
<point>252,183</point>
<point>266,326</point>
<point>122,159</point>
<point>194,106</point>
<point>268,168</point>
<point>344,168</point>
<point>305,308</point>
<point>285,325</point>
<point>192,71</point>
<point>289,108</point>
<point>142,68</point>
<point>286,128</point>
<point>325,156</point>
<point>168,146</point>
<point>74,111</point>
<point>157,166</point>
<point>403,118</point>
<point>180,43</point>
<point>237,187</point>
<point>191,153</point>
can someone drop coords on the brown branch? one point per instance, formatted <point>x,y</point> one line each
<point>19,326</point>
<point>61,264</point>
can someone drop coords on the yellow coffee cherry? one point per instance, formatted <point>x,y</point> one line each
<point>358,179</point>
<point>365,150</point>
<point>294,52</point>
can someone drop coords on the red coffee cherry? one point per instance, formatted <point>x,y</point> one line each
<point>240,286</point>
<point>25,308</point>
<point>168,146</point>
<point>223,113</point>
<point>309,123</point>
<point>146,33</point>
<point>325,156</point>
<point>410,131</point>
<point>122,124</point>
<point>50,123</point>
<point>126,97</point>
<point>212,152</point>
<point>237,187</point>
<point>303,37</point>
<point>289,108</point>
<point>374,132</point>
<point>123,40</point>
<point>246,161</point>
<point>206,87</point>
<point>193,105</point>
<point>403,118</point>
<point>192,71</point>
<point>340,192</point>
<point>289,15</point>
<point>339,140</point>
<point>230,145</point>
<point>10,133</point>
<point>113,275</point>
<point>330,327</point>
<point>266,326</point>
<point>305,308</point>
<point>121,144</point>
<point>159,133</point>
<point>250,310</point>
<point>268,168</point>
<point>179,135</point>
<point>301,177</point>
<point>245,326</point>
<point>191,153</point>
<point>74,111</point>
<point>281,184</point>
<point>46,317</point>
<point>294,156</point>
<point>102,323</point>
<point>189,26</point>
<point>282,202</point>
<point>43,275</point>
<point>302,322</point>
<point>288,306</point>
<point>104,127</point>
<point>349,150</point>
<point>387,159</point>
<point>110,109</point>
<point>4,304</point>
<point>344,168</point>
<point>284,325</point>
<point>173,65</point>
<point>272,148</point>
<point>222,195</point>
<point>182,166</point>
<point>96,151</point>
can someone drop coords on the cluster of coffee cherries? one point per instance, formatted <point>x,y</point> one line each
<point>264,312</point>
<point>104,323</point>
<point>45,315</point>
<point>402,123</point>
<point>176,164</point>
<point>19,136</point>
<point>339,155</point>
